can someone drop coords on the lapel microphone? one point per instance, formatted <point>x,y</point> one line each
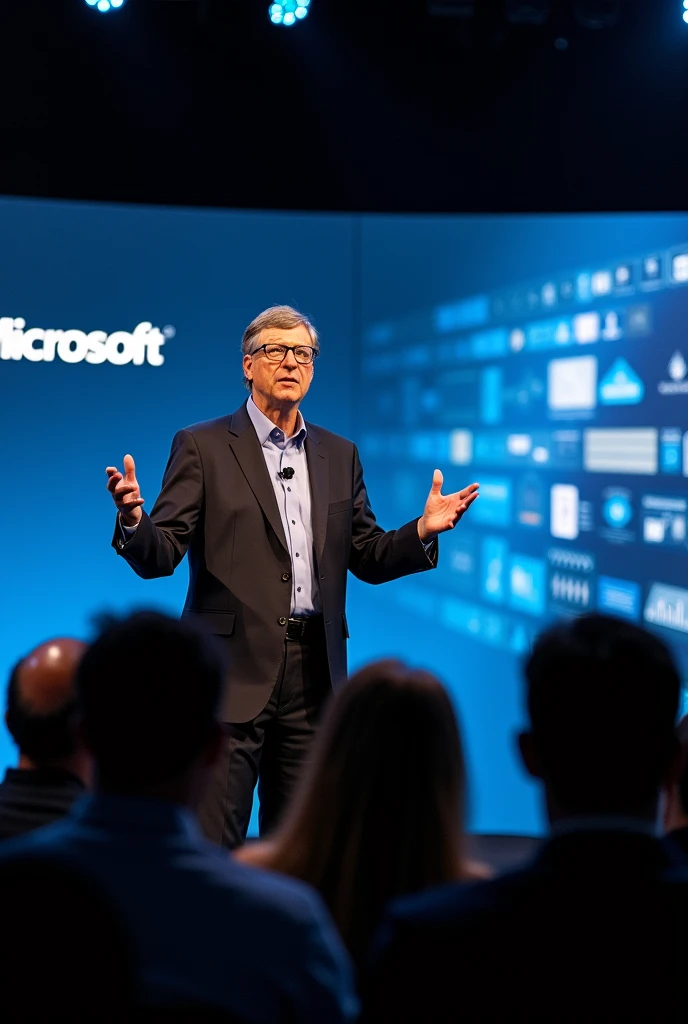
<point>286,473</point>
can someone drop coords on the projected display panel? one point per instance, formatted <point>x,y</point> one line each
<point>567,398</point>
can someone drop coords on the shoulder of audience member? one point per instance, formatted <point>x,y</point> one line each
<point>271,897</point>
<point>268,889</point>
<point>44,841</point>
<point>446,905</point>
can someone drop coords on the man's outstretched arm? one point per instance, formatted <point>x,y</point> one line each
<point>155,545</point>
<point>378,556</point>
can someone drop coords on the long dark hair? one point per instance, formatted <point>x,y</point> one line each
<point>380,809</point>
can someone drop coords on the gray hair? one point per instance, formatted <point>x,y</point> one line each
<point>282,317</point>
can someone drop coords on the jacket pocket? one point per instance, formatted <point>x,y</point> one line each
<point>340,506</point>
<point>217,623</point>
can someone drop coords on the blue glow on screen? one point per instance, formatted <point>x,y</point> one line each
<point>545,357</point>
<point>569,405</point>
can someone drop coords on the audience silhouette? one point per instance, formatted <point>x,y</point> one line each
<point>675,814</point>
<point>380,811</point>
<point>205,931</point>
<point>124,911</point>
<point>595,927</point>
<point>54,768</point>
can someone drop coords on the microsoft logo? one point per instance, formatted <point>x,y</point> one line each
<point>39,345</point>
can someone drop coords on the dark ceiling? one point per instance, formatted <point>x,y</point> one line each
<point>366,105</point>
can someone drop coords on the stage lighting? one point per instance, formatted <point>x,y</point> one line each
<point>288,12</point>
<point>105,5</point>
<point>685,12</point>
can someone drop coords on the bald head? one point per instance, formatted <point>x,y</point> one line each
<point>41,700</point>
<point>46,676</point>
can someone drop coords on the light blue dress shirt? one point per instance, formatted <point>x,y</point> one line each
<point>294,504</point>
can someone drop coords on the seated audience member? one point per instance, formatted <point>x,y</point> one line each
<point>53,767</point>
<point>595,928</point>
<point>206,931</point>
<point>64,955</point>
<point>676,797</point>
<point>380,810</point>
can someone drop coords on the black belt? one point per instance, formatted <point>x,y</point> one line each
<point>305,629</point>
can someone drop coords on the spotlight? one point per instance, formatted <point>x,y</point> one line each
<point>685,11</point>
<point>287,12</point>
<point>105,5</point>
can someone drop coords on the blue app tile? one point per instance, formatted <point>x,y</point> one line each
<point>670,453</point>
<point>619,597</point>
<point>489,344</point>
<point>527,584</point>
<point>495,551</point>
<point>621,385</point>
<point>491,395</point>
<point>493,508</point>
<point>617,510</point>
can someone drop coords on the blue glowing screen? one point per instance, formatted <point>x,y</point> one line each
<point>545,357</point>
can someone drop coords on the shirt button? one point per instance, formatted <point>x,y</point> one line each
<point>282,621</point>
<point>293,522</point>
<point>297,554</point>
<point>288,488</point>
<point>299,589</point>
<point>286,576</point>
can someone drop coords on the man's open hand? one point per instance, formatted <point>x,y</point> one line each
<point>125,492</point>
<point>443,511</point>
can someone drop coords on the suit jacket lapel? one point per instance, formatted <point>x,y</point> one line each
<point>246,447</point>
<point>319,473</point>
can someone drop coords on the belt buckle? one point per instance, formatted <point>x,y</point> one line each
<point>296,629</point>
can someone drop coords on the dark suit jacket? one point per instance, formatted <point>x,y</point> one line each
<point>217,501</point>
<point>31,798</point>
<point>594,929</point>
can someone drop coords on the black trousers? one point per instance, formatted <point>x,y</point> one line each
<point>270,750</point>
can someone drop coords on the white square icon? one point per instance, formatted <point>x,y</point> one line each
<point>572,384</point>
<point>586,327</point>
<point>460,447</point>
<point>679,267</point>
<point>654,529</point>
<point>563,518</point>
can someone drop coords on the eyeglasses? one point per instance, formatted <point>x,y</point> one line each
<point>303,354</point>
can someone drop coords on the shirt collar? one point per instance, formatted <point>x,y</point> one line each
<point>267,431</point>
<point>140,815</point>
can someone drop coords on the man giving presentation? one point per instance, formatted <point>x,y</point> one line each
<point>273,512</point>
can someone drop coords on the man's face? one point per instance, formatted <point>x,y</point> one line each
<point>285,383</point>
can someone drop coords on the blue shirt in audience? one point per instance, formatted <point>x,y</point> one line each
<point>205,929</point>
